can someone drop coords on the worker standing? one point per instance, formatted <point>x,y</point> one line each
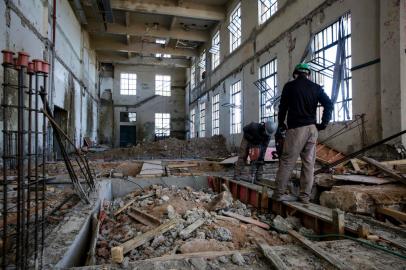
<point>255,135</point>
<point>299,101</point>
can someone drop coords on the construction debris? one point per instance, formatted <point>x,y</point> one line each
<point>185,227</point>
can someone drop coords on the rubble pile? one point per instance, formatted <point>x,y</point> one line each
<point>214,146</point>
<point>199,225</point>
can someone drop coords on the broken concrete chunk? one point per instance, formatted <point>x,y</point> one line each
<point>281,224</point>
<point>222,201</point>
<point>223,234</point>
<point>171,212</point>
<point>165,198</point>
<point>238,259</point>
<point>199,263</point>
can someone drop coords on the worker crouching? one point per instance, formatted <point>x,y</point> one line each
<point>256,135</point>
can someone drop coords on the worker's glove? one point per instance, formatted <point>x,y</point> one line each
<point>282,127</point>
<point>321,126</point>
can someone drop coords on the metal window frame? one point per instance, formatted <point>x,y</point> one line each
<point>234,28</point>
<point>202,119</point>
<point>269,10</point>
<point>160,129</point>
<point>126,92</point>
<point>215,119</point>
<point>163,91</point>
<point>235,126</point>
<point>270,92</point>
<point>324,67</point>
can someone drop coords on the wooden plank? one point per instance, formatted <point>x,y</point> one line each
<point>363,179</point>
<point>186,165</point>
<point>186,232</point>
<point>318,251</point>
<point>355,164</point>
<point>143,238</point>
<point>338,221</point>
<point>204,254</point>
<point>125,207</point>
<point>385,169</point>
<point>273,258</point>
<point>247,220</point>
<point>392,213</point>
<point>144,218</point>
<point>132,201</point>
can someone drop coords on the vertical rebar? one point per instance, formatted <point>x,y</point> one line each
<point>29,156</point>
<point>5,139</point>
<point>36,168</point>
<point>44,128</point>
<point>20,167</point>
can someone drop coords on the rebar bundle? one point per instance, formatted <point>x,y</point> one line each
<point>23,178</point>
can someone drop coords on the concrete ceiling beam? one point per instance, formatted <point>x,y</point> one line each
<point>100,44</point>
<point>142,30</point>
<point>164,7</point>
<point>140,60</point>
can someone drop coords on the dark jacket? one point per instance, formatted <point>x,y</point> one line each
<point>255,134</point>
<point>299,100</point>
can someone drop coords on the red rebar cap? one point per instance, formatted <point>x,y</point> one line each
<point>7,57</point>
<point>15,62</point>
<point>45,67</point>
<point>37,65</point>
<point>23,59</point>
<point>30,69</point>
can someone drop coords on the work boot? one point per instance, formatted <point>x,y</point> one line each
<point>304,199</point>
<point>284,198</point>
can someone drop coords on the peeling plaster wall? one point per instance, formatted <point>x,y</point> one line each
<point>27,26</point>
<point>145,124</point>
<point>285,36</point>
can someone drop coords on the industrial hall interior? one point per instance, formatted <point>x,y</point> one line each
<point>203,134</point>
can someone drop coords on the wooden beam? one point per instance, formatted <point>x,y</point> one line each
<point>318,251</point>
<point>273,258</point>
<point>191,228</point>
<point>124,207</point>
<point>142,30</point>
<point>384,169</point>
<point>187,9</point>
<point>107,57</point>
<point>247,220</point>
<point>401,216</point>
<point>104,44</point>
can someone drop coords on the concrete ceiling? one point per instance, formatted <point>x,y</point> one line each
<point>122,29</point>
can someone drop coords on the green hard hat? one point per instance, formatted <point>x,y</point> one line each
<point>302,67</point>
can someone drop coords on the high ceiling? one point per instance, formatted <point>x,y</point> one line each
<point>122,30</point>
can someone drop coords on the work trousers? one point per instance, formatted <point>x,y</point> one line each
<point>242,159</point>
<point>299,141</point>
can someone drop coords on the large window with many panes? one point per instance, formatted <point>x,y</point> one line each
<point>266,8</point>
<point>236,107</point>
<point>268,91</point>
<point>215,115</point>
<point>128,84</point>
<point>163,85</point>
<point>202,123</point>
<point>162,124</point>
<point>202,64</point>
<point>215,50</point>
<point>192,76</point>
<point>325,45</point>
<point>192,123</point>
<point>235,28</point>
